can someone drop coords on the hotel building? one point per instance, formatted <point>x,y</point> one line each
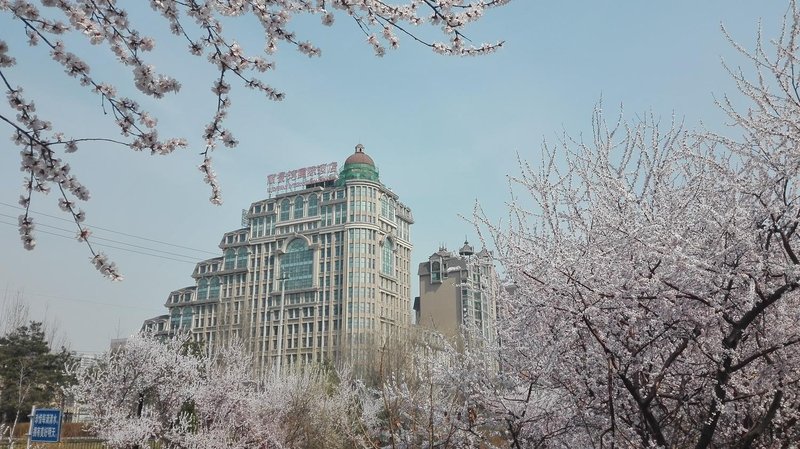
<point>319,271</point>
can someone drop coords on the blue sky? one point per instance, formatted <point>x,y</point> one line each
<point>444,131</point>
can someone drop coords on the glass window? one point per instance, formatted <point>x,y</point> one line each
<point>230,256</point>
<point>202,289</point>
<point>297,264</point>
<point>285,209</point>
<point>312,205</point>
<point>175,319</point>
<point>213,291</point>
<point>388,257</point>
<point>241,260</point>
<point>186,318</point>
<point>436,272</point>
<point>270,225</point>
<point>298,207</point>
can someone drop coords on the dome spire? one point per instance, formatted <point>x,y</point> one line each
<point>358,166</point>
<point>466,250</point>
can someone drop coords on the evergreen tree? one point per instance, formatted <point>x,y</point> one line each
<point>30,373</point>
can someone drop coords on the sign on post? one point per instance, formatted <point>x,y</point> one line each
<point>46,425</point>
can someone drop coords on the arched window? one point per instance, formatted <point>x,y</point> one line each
<point>175,319</point>
<point>186,318</point>
<point>241,260</point>
<point>298,264</point>
<point>388,257</point>
<point>298,207</point>
<point>213,291</point>
<point>436,272</point>
<point>202,289</point>
<point>285,205</point>
<point>230,258</point>
<point>312,205</point>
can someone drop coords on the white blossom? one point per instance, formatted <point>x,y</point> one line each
<point>653,279</point>
<point>173,393</point>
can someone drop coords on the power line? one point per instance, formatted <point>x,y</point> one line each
<point>107,245</point>
<point>94,238</point>
<point>112,231</point>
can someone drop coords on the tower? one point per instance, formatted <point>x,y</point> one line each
<point>458,291</point>
<point>320,271</point>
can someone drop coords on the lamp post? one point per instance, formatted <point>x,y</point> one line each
<point>283,279</point>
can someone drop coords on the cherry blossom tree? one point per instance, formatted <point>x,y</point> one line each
<point>441,401</point>
<point>47,23</point>
<point>154,390</point>
<point>655,277</point>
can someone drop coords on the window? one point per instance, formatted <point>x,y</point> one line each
<point>298,264</point>
<point>257,227</point>
<point>312,205</point>
<point>436,272</point>
<point>230,258</point>
<point>186,318</point>
<point>241,260</point>
<point>327,215</point>
<point>175,319</point>
<point>202,289</point>
<point>285,209</point>
<point>270,225</point>
<point>388,257</point>
<point>298,207</point>
<point>213,291</point>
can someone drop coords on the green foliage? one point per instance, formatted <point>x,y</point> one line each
<point>30,373</point>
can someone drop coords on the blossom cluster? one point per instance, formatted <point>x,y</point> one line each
<point>653,285</point>
<point>176,394</point>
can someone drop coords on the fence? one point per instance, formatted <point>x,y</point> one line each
<point>66,443</point>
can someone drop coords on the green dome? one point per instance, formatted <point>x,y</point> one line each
<point>358,166</point>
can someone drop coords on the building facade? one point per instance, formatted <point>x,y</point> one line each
<point>319,272</point>
<point>458,292</point>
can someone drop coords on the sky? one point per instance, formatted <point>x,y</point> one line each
<point>445,132</point>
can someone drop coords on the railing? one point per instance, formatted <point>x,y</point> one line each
<point>66,443</point>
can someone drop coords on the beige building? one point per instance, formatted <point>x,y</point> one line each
<point>319,271</point>
<point>457,292</point>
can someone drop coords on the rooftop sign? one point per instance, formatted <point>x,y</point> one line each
<point>287,181</point>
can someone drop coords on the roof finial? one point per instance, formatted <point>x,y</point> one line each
<point>359,148</point>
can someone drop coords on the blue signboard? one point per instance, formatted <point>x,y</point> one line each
<point>46,425</point>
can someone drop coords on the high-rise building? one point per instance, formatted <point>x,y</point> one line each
<point>319,271</point>
<point>458,292</point>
